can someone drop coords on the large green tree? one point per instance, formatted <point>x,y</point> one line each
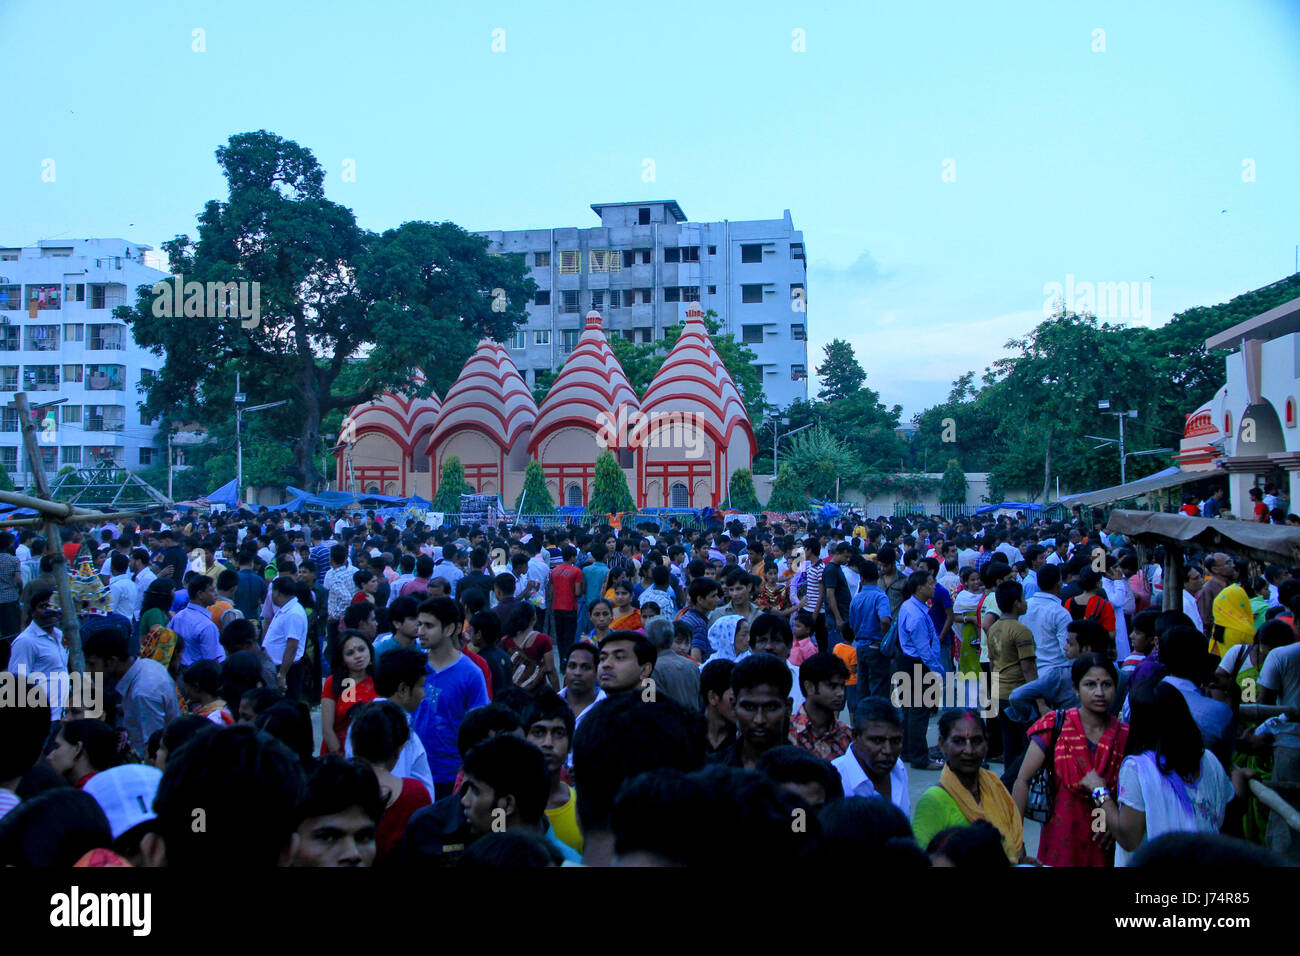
<point>842,376</point>
<point>330,293</point>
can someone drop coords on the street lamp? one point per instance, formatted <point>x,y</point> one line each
<point>240,412</point>
<point>1104,406</point>
<point>777,435</point>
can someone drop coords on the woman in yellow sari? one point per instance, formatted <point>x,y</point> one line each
<point>966,791</point>
<point>626,617</point>
<point>1234,620</point>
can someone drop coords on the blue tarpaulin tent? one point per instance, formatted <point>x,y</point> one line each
<point>227,494</point>
<point>1008,506</point>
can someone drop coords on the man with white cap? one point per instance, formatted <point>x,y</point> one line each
<point>125,794</point>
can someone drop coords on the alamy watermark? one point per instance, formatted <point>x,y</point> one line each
<point>635,429</point>
<point>925,688</point>
<point>75,691</point>
<point>175,298</point>
<point>1105,300</point>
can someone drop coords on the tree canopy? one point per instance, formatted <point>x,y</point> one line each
<point>329,293</point>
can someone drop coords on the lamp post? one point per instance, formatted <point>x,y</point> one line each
<point>1104,405</point>
<point>777,435</point>
<point>240,411</point>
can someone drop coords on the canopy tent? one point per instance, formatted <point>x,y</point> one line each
<point>1169,478</point>
<point>227,494</point>
<point>1265,542</point>
<point>1008,506</point>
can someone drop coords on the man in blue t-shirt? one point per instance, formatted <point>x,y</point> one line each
<point>453,686</point>
<point>593,581</point>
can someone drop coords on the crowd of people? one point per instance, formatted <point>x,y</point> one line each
<point>320,690</point>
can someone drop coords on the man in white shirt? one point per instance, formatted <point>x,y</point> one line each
<point>124,597</point>
<point>400,678</point>
<point>141,572</point>
<point>871,766</point>
<point>38,652</point>
<point>286,638</point>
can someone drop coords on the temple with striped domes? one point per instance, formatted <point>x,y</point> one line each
<point>678,444</point>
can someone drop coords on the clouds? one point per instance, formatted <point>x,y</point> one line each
<point>911,327</point>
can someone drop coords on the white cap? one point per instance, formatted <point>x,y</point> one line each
<point>125,794</point>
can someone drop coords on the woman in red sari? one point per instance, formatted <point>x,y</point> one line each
<point>1085,760</point>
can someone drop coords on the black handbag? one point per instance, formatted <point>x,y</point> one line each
<point>1042,785</point>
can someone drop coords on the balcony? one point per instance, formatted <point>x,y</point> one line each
<point>105,378</point>
<point>42,338</point>
<point>102,418</point>
<point>107,338</point>
<point>41,378</point>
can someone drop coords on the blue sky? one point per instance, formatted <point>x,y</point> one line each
<point>944,162</point>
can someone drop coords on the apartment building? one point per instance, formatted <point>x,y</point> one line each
<point>643,266</point>
<point>60,343</point>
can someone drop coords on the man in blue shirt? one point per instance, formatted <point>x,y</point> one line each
<point>193,623</point>
<point>593,580</point>
<point>919,656</point>
<point>453,686</point>
<point>869,618</point>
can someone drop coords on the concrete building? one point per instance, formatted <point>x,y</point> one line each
<point>641,268</point>
<point>59,340</point>
<point>1251,428</point>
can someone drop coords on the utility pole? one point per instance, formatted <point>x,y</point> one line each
<point>169,463</point>
<point>239,444</point>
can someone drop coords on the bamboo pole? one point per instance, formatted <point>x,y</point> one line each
<point>53,539</point>
<point>1276,803</point>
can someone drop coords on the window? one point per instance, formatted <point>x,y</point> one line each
<point>97,296</point>
<point>542,260</point>
<point>797,332</point>
<point>629,335</point>
<point>10,255</point>
<point>645,334</point>
<point>8,419</point>
<point>41,378</point>
<point>615,298</point>
<point>796,250</point>
<point>713,250</point>
<point>75,293</point>
<point>9,456</point>
<point>643,217</point>
<point>672,293</point>
<point>569,340</point>
<point>690,253</point>
<point>70,455</point>
<point>147,377</point>
<point>105,418</point>
<point>11,297</point>
<point>751,293</point>
<point>74,333</point>
<point>72,414</point>
<point>45,296</point>
<point>797,372</point>
<point>42,338</point>
<point>751,334</point>
<point>690,293</point>
<point>606,260</point>
<point>56,252</point>
<point>519,340</point>
<point>72,373</point>
<point>541,336</point>
<point>570,262</point>
<point>572,495</point>
<point>679,497</point>
<point>570,304</point>
<point>637,257</point>
<point>8,378</point>
<point>146,456</point>
<point>543,297</point>
<point>751,253</point>
<point>713,290</point>
<point>598,299</point>
<point>644,296</point>
<point>672,254</point>
<point>9,341</point>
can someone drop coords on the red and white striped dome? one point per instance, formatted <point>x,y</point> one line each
<point>394,414</point>
<point>693,381</point>
<point>489,396</point>
<point>590,383</point>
